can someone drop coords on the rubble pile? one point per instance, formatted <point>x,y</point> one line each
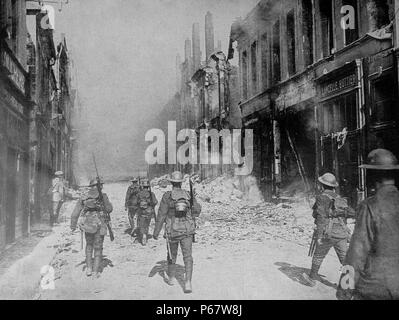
<point>234,210</point>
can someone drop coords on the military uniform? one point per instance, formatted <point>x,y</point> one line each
<point>374,249</point>
<point>130,202</point>
<point>331,227</point>
<point>145,204</point>
<point>57,193</point>
<point>330,212</point>
<point>90,218</point>
<point>179,229</point>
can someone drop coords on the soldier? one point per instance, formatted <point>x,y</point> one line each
<point>92,222</point>
<point>145,204</point>
<point>330,213</point>
<point>57,193</point>
<point>373,255</point>
<point>179,216</point>
<point>131,200</point>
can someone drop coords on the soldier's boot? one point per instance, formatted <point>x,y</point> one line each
<point>98,258</point>
<point>89,260</point>
<point>313,275</point>
<point>189,274</point>
<point>144,239</point>
<point>172,274</point>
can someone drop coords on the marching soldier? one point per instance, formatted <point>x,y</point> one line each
<point>179,216</point>
<point>89,215</point>
<point>330,213</point>
<point>131,201</point>
<point>373,253</point>
<point>145,204</point>
<point>57,194</point>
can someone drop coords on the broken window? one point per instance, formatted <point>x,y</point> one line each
<point>276,53</point>
<point>291,42</point>
<point>254,68</point>
<point>327,27</point>
<point>244,75</point>
<point>352,32</point>
<point>264,51</point>
<point>378,12</point>
<point>307,31</point>
<point>383,102</point>
<point>338,114</point>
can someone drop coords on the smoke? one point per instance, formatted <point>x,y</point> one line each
<point>124,54</point>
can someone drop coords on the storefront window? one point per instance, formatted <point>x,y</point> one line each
<point>338,114</point>
<point>383,100</point>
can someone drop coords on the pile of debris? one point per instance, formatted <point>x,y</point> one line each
<point>233,209</point>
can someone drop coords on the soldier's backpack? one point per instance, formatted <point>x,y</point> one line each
<point>144,199</point>
<point>181,223</point>
<point>132,196</point>
<point>337,211</point>
<point>90,219</point>
<point>181,201</point>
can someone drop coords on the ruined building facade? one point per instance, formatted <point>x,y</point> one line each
<point>319,89</point>
<point>207,98</point>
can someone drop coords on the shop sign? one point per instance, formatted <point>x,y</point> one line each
<point>331,87</point>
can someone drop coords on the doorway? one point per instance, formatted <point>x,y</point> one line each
<point>340,143</point>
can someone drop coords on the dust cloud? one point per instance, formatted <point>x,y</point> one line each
<point>124,54</point>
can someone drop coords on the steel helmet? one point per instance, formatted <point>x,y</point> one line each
<point>93,182</point>
<point>381,159</point>
<point>176,177</point>
<point>329,179</point>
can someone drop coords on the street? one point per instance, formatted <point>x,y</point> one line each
<point>258,266</point>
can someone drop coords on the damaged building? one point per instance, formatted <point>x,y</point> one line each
<point>207,97</point>
<point>214,89</point>
<point>36,101</point>
<point>319,89</point>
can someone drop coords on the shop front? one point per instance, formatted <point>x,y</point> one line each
<point>382,117</point>
<point>340,128</point>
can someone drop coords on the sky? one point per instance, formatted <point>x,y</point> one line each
<point>124,54</point>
